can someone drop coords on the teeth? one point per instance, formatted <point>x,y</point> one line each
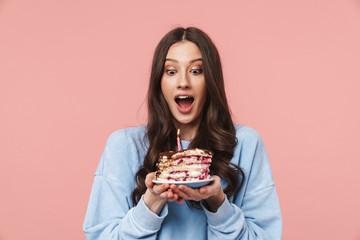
<point>183,97</point>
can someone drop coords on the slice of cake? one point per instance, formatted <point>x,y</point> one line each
<point>187,165</point>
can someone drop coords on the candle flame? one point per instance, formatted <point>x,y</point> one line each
<point>178,140</point>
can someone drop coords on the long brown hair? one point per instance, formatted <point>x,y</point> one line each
<point>216,131</point>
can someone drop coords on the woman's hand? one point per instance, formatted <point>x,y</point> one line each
<point>156,195</point>
<point>213,194</point>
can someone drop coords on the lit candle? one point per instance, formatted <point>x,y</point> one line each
<point>178,140</point>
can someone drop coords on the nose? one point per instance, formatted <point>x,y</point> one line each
<point>184,81</point>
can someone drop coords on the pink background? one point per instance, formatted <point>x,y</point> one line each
<point>72,72</point>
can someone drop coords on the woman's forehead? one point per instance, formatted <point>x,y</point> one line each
<point>184,51</point>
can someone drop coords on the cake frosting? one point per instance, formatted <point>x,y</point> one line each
<point>187,165</point>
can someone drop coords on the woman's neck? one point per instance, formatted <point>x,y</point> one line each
<point>187,132</point>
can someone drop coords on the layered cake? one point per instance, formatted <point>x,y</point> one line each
<point>187,165</point>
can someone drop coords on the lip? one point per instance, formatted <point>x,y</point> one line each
<point>183,94</point>
<point>184,110</point>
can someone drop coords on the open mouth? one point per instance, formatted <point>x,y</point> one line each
<point>184,102</point>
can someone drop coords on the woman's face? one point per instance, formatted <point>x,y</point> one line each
<point>183,83</point>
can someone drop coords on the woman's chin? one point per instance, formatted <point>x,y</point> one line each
<point>183,121</point>
<point>189,121</point>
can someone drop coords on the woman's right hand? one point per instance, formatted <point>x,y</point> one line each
<point>156,195</point>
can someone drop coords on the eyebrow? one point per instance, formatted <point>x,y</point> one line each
<point>176,61</point>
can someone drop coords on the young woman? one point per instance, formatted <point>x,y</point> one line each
<point>186,92</point>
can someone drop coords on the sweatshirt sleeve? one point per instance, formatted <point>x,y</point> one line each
<point>111,214</point>
<point>255,212</point>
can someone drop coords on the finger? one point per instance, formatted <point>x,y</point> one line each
<point>194,194</point>
<point>167,194</point>
<point>206,192</point>
<point>177,198</point>
<point>158,189</point>
<point>188,190</point>
<point>209,189</point>
<point>173,187</point>
<point>177,193</point>
<point>149,183</point>
<point>174,198</point>
<point>203,190</point>
<point>180,200</point>
<point>148,180</point>
<point>150,175</point>
<point>183,194</point>
<point>217,180</point>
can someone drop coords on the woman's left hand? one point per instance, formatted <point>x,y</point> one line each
<point>213,193</point>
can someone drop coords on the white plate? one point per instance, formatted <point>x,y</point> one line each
<point>192,184</point>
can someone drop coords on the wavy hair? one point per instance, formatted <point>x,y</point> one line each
<point>216,131</point>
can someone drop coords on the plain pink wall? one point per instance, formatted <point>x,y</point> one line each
<point>72,72</point>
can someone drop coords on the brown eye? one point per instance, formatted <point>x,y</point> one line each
<point>170,72</point>
<point>196,71</point>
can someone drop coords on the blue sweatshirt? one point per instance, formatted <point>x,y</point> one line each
<point>254,213</point>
